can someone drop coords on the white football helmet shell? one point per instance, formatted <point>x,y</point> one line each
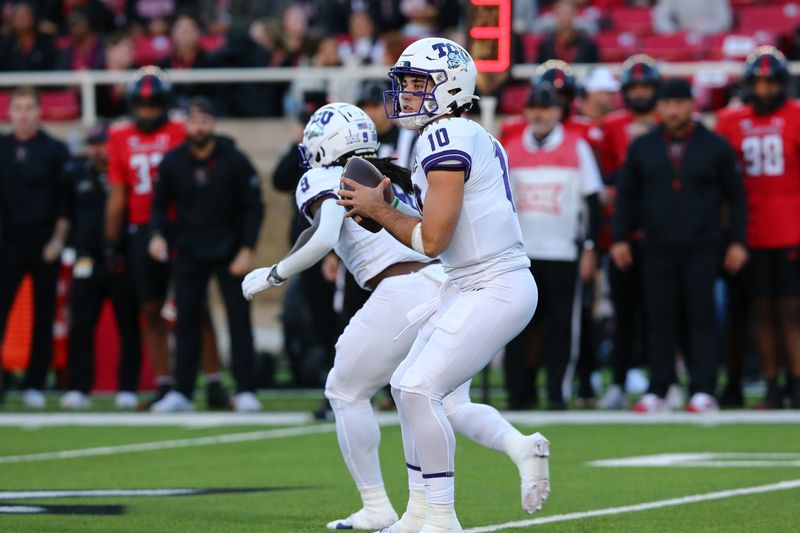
<point>336,130</point>
<point>452,74</point>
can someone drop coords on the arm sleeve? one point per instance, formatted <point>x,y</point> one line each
<point>734,191</point>
<point>629,185</point>
<point>64,166</point>
<point>591,182</point>
<point>162,197</point>
<point>316,241</point>
<point>251,202</point>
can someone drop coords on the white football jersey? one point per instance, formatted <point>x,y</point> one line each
<point>487,239</point>
<point>365,254</point>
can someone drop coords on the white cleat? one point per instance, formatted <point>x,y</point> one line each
<point>34,399</point>
<point>75,401</point>
<point>613,398</point>
<point>246,402</point>
<point>125,400</point>
<point>650,403</point>
<point>702,403</point>
<point>172,402</point>
<point>674,399</point>
<point>364,519</point>
<point>532,457</point>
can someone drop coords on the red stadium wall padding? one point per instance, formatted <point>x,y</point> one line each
<point>107,353</point>
<point>16,348</point>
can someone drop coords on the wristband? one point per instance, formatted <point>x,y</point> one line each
<point>274,277</point>
<point>416,239</point>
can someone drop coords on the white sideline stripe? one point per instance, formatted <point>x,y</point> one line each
<point>170,444</point>
<point>127,493</point>
<point>703,460</point>
<point>530,418</point>
<point>709,496</point>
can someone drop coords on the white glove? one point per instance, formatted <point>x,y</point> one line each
<point>259,280</point>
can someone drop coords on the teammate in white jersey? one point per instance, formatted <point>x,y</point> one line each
<point>377,338</point>
<point>469,222</point>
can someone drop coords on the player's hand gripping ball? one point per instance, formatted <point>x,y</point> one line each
<point>365,173</point>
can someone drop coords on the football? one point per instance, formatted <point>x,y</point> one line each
<point>362,171</point>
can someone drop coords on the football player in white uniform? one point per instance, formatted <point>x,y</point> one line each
<point>469,222</point>
<point>378,337</point>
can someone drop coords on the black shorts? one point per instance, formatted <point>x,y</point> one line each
<point>150,277</point>
<point>774,272</point>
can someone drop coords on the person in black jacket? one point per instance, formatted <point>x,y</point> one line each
<point>217,194</point>
<point>95,278</point>
<point>32,209</point>
<point>25,48</point>
<point>677,177</point>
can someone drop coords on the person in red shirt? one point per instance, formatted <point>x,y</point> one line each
<point>765,134</point>
<point>135,151</point>
<point>640,80</point>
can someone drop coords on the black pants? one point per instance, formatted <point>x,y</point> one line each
<point>679,295</point>
<point>89,291</point>
<point>16,260</point>
<point>191,287</point>
<point>556,282</point>
<point>629,330</point>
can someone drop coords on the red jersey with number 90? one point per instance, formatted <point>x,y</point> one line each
<point>768,149</point>
<point>133,159</point>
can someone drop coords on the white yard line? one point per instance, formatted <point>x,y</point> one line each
<point>709,496</point>
<point>6,495</point>
<point>170,444</point>
<point>529,418</point>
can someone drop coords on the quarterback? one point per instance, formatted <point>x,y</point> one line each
<point>469,222</point>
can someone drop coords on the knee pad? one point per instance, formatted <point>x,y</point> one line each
<point>347,390</point>
<point>456,400</point>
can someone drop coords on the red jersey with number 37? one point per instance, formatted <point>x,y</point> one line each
<point>133,159</point>
<point>768,149</point>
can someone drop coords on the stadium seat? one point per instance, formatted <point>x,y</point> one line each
<point>777,19</point>
<point>633,19</point>
<point>60,105</point>
<point>677,47</point>
<point>735,45</point>
<point>615,47</point>
<point>530,46</point>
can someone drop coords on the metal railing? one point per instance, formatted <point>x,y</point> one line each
<point>87,80</point>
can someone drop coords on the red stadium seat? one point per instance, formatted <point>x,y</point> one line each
<point>5,99</point>
<point>615,47</point>
<point>60,105</point>
<point>777,19</point>
<point>530,46</point>
<point>737,46</point>
<point>633,19</point>
<point>677,47</point>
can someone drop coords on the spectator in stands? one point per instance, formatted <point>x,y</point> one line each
<point>338,88</point>
<point>187,54</point>
<point>334,15</point>
<point>216,192</point>
<point>119,53</point>
<point>85,50</point>
<point>555,180</point>
<point>56,15</point>
<point>93,280</point>
<point>567,42</point>
<point>429,18</point>
<point>673,184</point>
<point>600,94</point>
<point>707,17</point>
<point>295,38</point>
<point>25,48</point>
<point>34,228</point>
<point>362,46</point>
<point>153,17</point>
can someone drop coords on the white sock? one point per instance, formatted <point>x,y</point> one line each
<point>375,499</point>
<point>442,517</point>
<point>482,424</point>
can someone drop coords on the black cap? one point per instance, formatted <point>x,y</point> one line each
<point>543,94</point>
<point>97,134</point>
<point>371,93</point>
<point>676,88</point>
<point>201,104</point>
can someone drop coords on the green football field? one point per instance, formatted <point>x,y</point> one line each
<point>275,473</point>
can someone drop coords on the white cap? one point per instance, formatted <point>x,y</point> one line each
<point>600,79</point>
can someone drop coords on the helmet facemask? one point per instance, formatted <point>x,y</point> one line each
<point>428,107</point>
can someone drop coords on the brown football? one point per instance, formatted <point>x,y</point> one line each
<point>362,171</point>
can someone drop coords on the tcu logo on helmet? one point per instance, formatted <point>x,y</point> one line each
<point>456,56</point>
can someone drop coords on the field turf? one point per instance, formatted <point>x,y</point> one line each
<point>297,481</point>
